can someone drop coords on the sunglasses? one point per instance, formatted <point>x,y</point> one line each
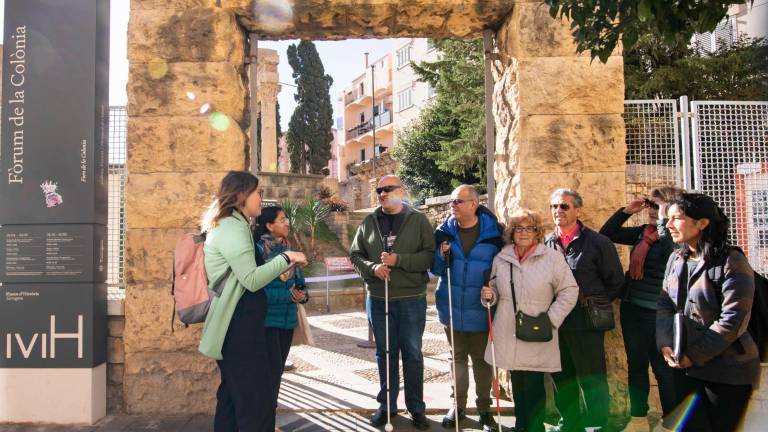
<point>562,206</point>
<point>388,189</point>
<point>458,201</point>
<point>521,229</point>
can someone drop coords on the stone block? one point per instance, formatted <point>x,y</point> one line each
<point>169,200</point>
<point>183,144</point>
<point>529,31</point>
<point>570,143</point>
<point>188,377</point>
<point>115,373</point>
<point>171,4</point>
<point>149,254</point>
<point>115,350</point>
<point>116,325</point>
<point>149,313</point>
<point>188,89</point>
<point>558,85</point>
<point>603,193</point>
<point>192,34</point>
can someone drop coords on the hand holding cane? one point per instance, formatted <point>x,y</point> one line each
<point>487,304</point>
<point>447,257</point>
<point>388,427</point>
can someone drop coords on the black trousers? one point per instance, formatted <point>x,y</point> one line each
<point>530,400</point>
<point>244,402</point>
<point>638,326</point>
<point>705,406</point>
<point>582,355</point>
<point>278,346</point>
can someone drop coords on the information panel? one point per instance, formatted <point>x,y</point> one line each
<point>52,253</point>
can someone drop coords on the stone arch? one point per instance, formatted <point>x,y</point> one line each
<point>557,116</point>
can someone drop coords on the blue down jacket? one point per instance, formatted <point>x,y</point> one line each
<point>467,272</point>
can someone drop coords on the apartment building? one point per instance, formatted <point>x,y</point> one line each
<point>743,20</point>
<point>386,95</point>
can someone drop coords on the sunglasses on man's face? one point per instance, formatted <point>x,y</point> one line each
<point>387,189</point>
<point>561,206</point>
<point>457,201</point>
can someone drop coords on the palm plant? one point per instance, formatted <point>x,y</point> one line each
<point>313,213</point>
<point>295,220</point>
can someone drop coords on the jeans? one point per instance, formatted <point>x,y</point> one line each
<point>582,355</point>
<point>638,326</point>
<point>706,406</point>
<point>407,318</point>
<point>530,400</point>
<point>472,344</point>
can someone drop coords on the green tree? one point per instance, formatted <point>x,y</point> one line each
<point>309,130</point>
<point>655,68</point>
<point>598,25</point>
<point>451,130</point>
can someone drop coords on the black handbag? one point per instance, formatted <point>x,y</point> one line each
<point>599,313</point>
<point>529,328</point>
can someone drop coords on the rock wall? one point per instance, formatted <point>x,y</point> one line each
<point>558,124</point>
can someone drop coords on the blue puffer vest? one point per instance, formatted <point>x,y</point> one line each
<point>467,273</point>
<point>281,310</point>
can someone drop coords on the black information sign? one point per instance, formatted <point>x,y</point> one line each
<point>53,325</point>
<point>52,253</point>
<point>53,180</point>
<point>55,112</point>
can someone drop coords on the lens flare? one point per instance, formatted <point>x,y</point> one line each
<point>191,96</point>
<point>219,121</point>
<point>204,108</point>
<point>273,15</point>
<point>157,68</point>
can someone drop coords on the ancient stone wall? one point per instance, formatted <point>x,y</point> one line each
<point>558,122</point>
<point>187,112</point>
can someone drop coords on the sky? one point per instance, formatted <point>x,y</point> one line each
<point>343,60</point>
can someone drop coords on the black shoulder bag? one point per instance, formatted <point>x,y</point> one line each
<point>679,331</point>
<point>529,328</point>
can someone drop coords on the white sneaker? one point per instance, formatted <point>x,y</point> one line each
<point>637,424</point>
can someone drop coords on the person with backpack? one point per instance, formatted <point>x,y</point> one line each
<point>234,333</point>
<point>702,318</point>
<point>283,293</point>
<point>651,246</point>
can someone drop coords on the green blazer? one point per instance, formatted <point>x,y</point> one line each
<point>230,245</point>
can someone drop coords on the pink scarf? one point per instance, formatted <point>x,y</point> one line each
<point>637,258</point>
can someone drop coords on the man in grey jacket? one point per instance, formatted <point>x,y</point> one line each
<point>598,272</point>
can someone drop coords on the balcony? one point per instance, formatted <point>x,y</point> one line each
<point>382,120</point>
<point>356,97</point>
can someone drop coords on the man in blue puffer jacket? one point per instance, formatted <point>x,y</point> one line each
<point>474,237</point>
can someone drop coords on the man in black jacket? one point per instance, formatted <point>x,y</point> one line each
<point>598,272</point>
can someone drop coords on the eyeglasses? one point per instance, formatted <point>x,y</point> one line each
<point>521,229</point>
<point>458,201</point>
<point>562,206</point>
<point>387,189</point>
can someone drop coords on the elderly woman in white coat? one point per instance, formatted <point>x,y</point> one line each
<point>543,284</point>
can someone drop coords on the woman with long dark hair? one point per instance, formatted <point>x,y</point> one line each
<point>234,332</point>
<point>711,286</point>
<point>283,293</point>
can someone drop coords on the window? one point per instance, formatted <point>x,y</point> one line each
<point>760,208</point>
<point>362,90</point>
<point>362,155</point>
<point>405,99</point>
<point>403,56</point>
<point>362,117</point>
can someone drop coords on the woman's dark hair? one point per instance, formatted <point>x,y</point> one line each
<point>713,242</point>
<point>235,187</point>
<point>268,216</point>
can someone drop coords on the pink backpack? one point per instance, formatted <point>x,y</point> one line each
<point>190,289</point>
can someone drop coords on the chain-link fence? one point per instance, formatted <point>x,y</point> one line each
<point>653,148</point>
<point>118,120</point>
<point>730,164</point>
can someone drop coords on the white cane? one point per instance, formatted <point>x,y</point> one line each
<point>457,418</point>
<point>388,427</point>
<point>487,304</point>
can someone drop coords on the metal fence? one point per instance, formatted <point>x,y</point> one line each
<point>117,173</point>
<point>720,148</point>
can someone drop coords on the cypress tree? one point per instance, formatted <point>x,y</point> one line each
<point>309,130</point>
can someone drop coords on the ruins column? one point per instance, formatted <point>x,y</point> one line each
<point>268,84</point>
<point>558,124</point>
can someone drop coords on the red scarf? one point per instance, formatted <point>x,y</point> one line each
<point>637,258</point>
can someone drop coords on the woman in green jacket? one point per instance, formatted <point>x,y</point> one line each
<point>234,332</point>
